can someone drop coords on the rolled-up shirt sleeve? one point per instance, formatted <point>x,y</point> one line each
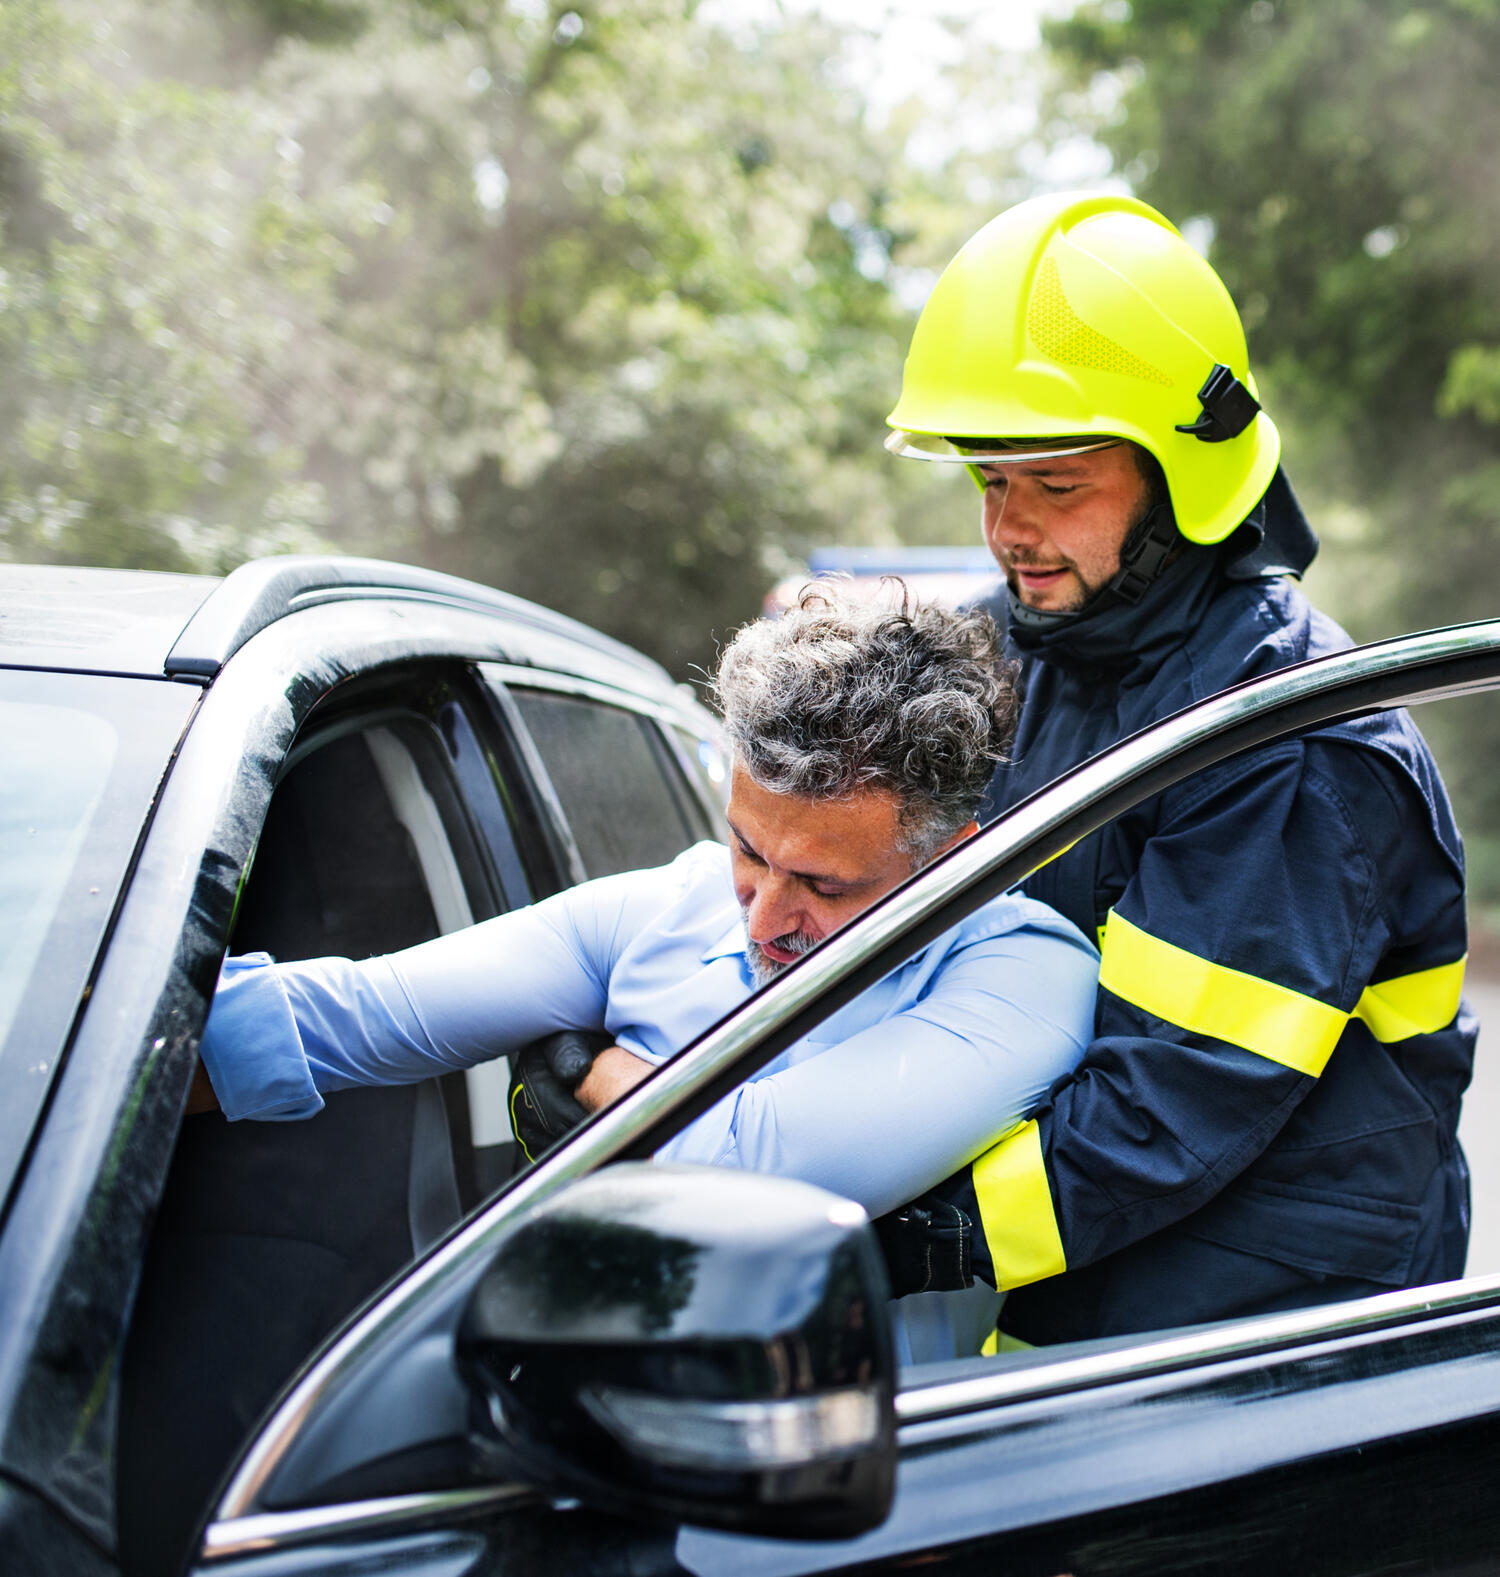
<point>896,1107</point>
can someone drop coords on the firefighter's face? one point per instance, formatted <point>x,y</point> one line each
<point>1056,526</point>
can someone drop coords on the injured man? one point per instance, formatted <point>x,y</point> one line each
<point>862,741</point>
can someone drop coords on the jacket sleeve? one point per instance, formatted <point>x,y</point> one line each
<point>1231,964</point>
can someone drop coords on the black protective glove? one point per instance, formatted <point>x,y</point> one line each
<point>543,1077</point>
<point>927,1246</point>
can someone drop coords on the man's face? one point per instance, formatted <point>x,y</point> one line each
<point>804,867</point>
<point>1056,526</point>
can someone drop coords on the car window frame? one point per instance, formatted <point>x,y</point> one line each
<point>1408,670</point>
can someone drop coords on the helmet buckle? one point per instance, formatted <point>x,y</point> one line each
<point>1228,408</point>
<point>1147,551</point>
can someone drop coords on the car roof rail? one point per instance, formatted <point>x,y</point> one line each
<point>259,593</point>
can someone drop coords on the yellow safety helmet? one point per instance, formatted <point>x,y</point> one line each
<point>1072,318</point>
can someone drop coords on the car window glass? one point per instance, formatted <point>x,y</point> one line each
<point>706,760</point>
<point>1462,732</point>
<point>624,812</point>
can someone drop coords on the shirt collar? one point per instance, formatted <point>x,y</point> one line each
<point>729,945</point>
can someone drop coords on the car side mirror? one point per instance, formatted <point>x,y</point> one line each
<point>694,1344</point>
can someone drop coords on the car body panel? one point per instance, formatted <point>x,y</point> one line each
<point>978,1478</point>
<point>95,620</point>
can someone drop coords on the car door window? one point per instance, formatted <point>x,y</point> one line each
<point>619,788</point>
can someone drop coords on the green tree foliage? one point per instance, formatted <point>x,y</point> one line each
<point>1341,152</point>
<point>139,414</point>
<point>590,301</point>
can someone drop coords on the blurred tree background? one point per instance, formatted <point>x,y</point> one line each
<point>596,302</point>
<point>1335,158</point>
<point>604,301</point>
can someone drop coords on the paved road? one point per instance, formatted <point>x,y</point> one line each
<point>1479,1130</point>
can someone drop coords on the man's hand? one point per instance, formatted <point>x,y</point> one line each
<point>543,1079</point>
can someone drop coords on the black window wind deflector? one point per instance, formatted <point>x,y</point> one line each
<point>256,595</point>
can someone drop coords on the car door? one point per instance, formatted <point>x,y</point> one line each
<point>1292,1442</point>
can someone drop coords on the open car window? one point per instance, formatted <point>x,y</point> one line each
<point>413,811</point>
<point>385,829</point>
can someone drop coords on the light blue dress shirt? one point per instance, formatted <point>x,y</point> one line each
<point>890,1095</point>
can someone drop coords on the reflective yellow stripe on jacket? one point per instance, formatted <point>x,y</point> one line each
<point>1015,1208</point>
<point>1285,1026</point>
<point>1170,983</point>
<point>1418,1004</point>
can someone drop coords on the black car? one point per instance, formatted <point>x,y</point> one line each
<point>374,1343</point>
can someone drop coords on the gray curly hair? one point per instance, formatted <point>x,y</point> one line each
<point>837,696</point>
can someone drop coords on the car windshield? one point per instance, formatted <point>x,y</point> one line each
<point>83,758</point>
<point>59,763</point>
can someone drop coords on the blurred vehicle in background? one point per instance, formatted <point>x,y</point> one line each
<point>951,576</point>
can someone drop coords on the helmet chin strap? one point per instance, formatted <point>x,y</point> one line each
<point>1147,550</point>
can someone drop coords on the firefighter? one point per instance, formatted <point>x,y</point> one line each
<point>1267,1114</point>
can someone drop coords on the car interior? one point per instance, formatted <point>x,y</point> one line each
<point>391,823</point>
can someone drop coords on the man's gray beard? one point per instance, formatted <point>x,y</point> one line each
<point>763,970</point>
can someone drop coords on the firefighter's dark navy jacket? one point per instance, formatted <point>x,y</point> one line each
<point>1267,1116</point>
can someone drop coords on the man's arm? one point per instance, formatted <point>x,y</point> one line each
<point>889,1109</point>
<point>281,1036</point>
<point>615,1072</point>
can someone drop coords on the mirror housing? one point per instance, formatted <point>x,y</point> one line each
<point>695,1344</point>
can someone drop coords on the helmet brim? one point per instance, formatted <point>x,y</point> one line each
<point>990,451</point>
